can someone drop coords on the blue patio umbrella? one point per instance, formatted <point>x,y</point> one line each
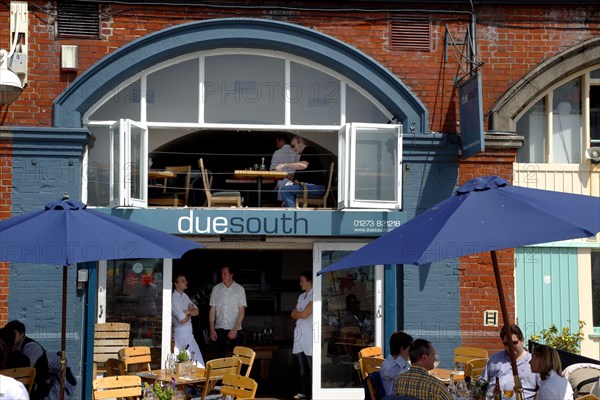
<point>485,214</point>
<point>66,232</point>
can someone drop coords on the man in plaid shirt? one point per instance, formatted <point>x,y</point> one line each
<point>417,382</point>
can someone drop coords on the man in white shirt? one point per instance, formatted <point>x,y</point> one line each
<point>397,362</point>
<point>283,155</point>
<point>227,311</point>
<point>183,310</point>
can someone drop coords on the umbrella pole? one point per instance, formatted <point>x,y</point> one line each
<point>63,336</point>
<point>507,324</point>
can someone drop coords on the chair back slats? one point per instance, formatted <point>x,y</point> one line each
<point>136,358</point>
<point>464,354</point>
<point>114,367</point>
<point>475,367</point>
<point>213,199</point>
<point>306,199</point>
<point>216,369</point>
<point>109,338</point>
<point>240,387</point>
<point>117,386</point>
<point>25,375</point>
<point>373,351</point>
<point>246,356</point>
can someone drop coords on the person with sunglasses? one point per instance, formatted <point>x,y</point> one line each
<point>498,365</point>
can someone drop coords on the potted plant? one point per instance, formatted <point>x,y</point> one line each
<point>182,358</point>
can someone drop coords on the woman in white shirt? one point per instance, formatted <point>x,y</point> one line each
<point>546,362</point>
<point>303,334</point>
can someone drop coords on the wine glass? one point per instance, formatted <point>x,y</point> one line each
<point>436,363</point>
<point>508,390</point>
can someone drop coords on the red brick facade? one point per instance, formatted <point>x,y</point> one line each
<point>511,41</point>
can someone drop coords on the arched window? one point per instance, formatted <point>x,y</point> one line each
<point>563,122</point>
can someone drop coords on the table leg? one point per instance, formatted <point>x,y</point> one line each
<point>259,188</point>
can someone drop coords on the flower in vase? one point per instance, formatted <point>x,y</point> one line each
<point>183,355</point>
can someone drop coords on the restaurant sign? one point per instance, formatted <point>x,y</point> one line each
<point>189,221</point>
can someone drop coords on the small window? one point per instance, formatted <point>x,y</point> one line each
<point>77,19</point>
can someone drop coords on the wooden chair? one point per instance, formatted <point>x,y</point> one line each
<point>588,397</point>
<point>215,198</point>
<point>216,369</point>
<point>25,375</point>
<point>238,386</point>
<point>317,201</point>
<point>175,191</point>
<point>464,354</point>
<point>246,356</point>
<point>475,367</point>
<point>135,358</point>
<point>373,351</point>
<point>121,386</point>
<point>114,367</point>
<point>109,338</point>
<point>369,365</point>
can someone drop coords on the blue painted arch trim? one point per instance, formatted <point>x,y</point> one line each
<point>175,41</point>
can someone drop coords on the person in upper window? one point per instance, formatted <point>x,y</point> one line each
<point>283,155</point>
<point>308,170</point>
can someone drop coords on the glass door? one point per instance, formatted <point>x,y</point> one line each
<point>138,292</point>
<point>348,316</point>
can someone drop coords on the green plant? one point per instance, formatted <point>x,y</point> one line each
<point>561,339</point>
<point>183,355</point>
<point>164,391</point>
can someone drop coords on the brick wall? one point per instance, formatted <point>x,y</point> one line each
<point>478,291</point>
<point>512,41</point>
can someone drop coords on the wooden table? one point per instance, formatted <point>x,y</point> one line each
<point>197,375</point>
<point>160,174</point>
<point>444,374</point>
<point>258,176</point>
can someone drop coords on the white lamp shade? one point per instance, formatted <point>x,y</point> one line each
<point>10,86</point>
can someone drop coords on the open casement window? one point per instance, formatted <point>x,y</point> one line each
<point>129,164</point>
<point>370,159</point>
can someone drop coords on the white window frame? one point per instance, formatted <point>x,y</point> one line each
<point>121,174</point>
<point>347,171</point>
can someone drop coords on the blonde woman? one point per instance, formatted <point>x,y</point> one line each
<point>546,362</point>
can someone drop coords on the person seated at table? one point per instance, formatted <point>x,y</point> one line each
<point>397,362</point>
<point>417,382</point>
<point>10,388</point>
<point>546,362</point>
<point>284,154</point>
<point>498,365</point>
<point>14,358</point>
<point>308,170</point>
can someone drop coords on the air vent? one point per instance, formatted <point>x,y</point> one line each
<point>77,19</point>
<point>410,32</point>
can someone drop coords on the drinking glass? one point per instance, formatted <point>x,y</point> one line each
<point>508,390</point>
<point>436,363</point>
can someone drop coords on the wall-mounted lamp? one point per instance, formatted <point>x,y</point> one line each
<point>10,83</point>
<point>593,154</point>
<point>68,58</point>
<point>83,276</point>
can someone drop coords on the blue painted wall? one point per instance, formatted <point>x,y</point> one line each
<point>46,163</point>
<point>428,302</point>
